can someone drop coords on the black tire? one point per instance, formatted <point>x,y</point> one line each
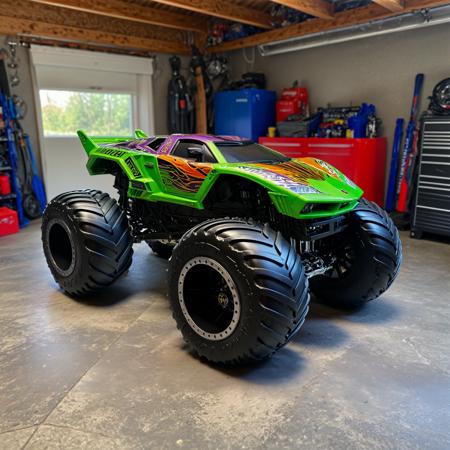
<point>369,254</point>
<point>31,207</point>
<point>262,275</point>
<point>86,240</point>
<point>161,249</point>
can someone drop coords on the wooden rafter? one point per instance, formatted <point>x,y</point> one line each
<point>391,5</point>
<point>82,46</point>
<point>25,27</point>
<point>123,10</point>
<point>316,8</point>
<point>343,19</point>
<point>24,9</point>
<point>223,9</point>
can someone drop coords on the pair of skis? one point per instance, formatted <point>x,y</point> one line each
<point>400,177</point>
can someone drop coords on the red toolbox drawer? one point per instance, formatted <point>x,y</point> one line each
<point>362,160</point>
<point>9,223</point>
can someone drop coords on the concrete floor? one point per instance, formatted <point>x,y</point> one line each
<point>112,372</point>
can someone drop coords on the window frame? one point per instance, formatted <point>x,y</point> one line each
<point>160,141</point>
<point>221,146</point>
<point>195,142</point>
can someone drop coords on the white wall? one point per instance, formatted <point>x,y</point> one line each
<point>377,70</point>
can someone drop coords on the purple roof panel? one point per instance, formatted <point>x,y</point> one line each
<point>145,143</point>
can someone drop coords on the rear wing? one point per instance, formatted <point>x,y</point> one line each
<point>92,143</point>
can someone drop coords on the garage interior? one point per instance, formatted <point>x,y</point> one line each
<point>329,79</point>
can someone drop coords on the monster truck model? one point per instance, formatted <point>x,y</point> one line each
<point>249,231</point>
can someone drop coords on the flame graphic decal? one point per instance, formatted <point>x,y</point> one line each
<point>182,175</point>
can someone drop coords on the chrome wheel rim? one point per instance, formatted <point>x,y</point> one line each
<point>213,308</point>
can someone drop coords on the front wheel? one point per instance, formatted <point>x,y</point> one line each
<point>367,258</point>
<point>238,290</point>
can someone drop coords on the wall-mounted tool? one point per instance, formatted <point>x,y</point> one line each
<point>202,89</point>
<point>180,105</point>
<point>409,148</point>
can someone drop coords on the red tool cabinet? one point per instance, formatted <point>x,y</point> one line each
<point>362,160</point>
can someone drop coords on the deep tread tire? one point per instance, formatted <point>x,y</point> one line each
<point>376,244</point>
<point>161,249</point>
<point>99,236</point>
<point>271,283</point>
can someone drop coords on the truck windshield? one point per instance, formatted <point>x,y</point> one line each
<point>247,151</point>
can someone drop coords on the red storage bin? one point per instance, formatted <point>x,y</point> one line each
<point>9,222</point>
<point>5,187</point>
<point>362,160</point>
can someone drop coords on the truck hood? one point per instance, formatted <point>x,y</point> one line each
<point>305,176</point>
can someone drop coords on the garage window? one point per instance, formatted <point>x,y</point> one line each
<point>97,113</point>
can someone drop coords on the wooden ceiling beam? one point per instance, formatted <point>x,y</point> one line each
<point>13,26</point>
<point>24,9</point>
<point>82,46</point>
<point>223,9</point>
<point>120,9</point>
<point>316,8</point>
<point>391,5</point>
<point>343,19</point>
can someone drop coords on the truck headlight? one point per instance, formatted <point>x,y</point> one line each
<point>348,181</point>
<point>302,189</point>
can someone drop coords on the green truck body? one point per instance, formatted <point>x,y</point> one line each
<point>304,188</point>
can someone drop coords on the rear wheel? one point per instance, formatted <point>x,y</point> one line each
<point>238,290</point>
<point>161,248</point>
<point>86,240</point>
<point>367,258</point>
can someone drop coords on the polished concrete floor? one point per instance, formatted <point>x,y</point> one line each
<point>112,372</point>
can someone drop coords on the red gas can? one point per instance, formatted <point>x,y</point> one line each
<point>5,187</point>
<point>293,100</point>
<point>9,222</point>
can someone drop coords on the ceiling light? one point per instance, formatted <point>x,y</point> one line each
<point>408,21</point>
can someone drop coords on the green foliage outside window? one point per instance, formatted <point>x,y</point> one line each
<point>100,114</point>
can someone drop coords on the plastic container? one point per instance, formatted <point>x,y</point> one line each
<point>5,186</point>
<point>9,222</point>
<point>246,113</point>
